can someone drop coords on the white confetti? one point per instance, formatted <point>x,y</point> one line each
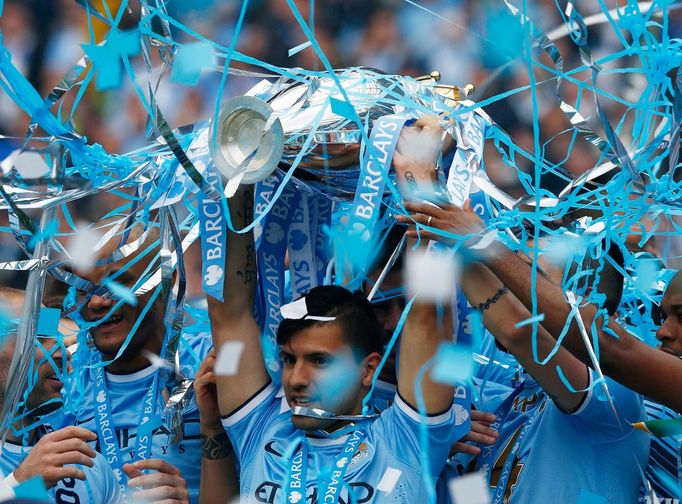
<point>430,275</point>
<point>29,164</point>
<point>388,480</point>
<point>157,361</point>
<point>469,489</point>
<point>6,491</point>
<point>82,248</point>
<point>229,355</point>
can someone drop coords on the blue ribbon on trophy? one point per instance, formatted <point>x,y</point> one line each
<point>213,232</point>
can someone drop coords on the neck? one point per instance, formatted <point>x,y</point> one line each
<point>128,364</point>
<point>19,426</point>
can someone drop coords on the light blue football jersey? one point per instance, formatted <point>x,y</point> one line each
<point>127,394</point>
<point>663,471</point>
<point>562,455</point>
<point>264,439</point>
<point>493,364</point>
<point>99,487</point>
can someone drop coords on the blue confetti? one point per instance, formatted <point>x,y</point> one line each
<point>121,292</point>
<point>107,57</point>
<point>299,48</point>
<point>343,108</point>
<point>48,322</point>
<point>453,364</point>
<point>532,320</point>
<point>190,60</point>
<point>32,489</point>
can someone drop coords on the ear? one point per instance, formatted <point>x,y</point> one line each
<point>371,363</point>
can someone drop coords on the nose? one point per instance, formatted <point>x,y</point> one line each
<point>300,375</point>
<point>664,331</point>
<point>98,303</point>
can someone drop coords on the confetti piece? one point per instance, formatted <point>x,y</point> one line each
<point>29,164</point>
<point>6,492</point>
<point>227,362</point>
<point>342,108</point>
<point>48,322</point>
<point>469,489</point>
<point>121,292</point>
<point>299,48</point>
<point>388,480</point>
<point>538,318</point>
<point>647,275</point>
<point>661,428</point>
<point>82,248</point>
<point>157,361</point>
<point>430,275</point>
<point>586,497</point>
<point>294,310</point>
<point>190,60</point>
<point>106,58</point>
<point>453,363</point>
<point>33,488</point>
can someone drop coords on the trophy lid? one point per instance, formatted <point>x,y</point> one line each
<point>245,140</point>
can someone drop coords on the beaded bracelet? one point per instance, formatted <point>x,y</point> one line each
<point>492,300</point>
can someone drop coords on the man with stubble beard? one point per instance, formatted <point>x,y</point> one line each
<point>122,393</point>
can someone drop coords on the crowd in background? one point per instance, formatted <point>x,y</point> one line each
<point>476,42</point>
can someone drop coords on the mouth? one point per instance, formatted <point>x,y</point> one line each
<point>110,321</point>
<point>300,401</point>
<point>54,380</point>
<point>670,351</point>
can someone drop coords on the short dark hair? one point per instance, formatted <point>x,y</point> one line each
<point>359,324</point>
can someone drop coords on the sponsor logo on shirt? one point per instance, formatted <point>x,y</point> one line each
<point>271,493</point>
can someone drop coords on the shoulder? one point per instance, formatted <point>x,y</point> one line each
<point>266,402</point>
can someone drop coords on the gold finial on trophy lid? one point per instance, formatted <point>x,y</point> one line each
<point>454,93</point>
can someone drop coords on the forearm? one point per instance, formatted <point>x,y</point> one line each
<point>516,275</point>
<point>426,327</point>
<point>504,319</point>
<point>232,320</point>
<point>219,483</point>
<point>239,288</point>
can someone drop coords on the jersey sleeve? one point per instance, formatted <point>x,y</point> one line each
<point>401,427</point>
<point>596,417</point>
<point>247,425</point>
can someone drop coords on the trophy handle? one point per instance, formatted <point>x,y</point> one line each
<point>241,144</point>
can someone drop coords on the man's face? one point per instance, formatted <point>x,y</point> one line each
<point>321,371</point>
<point>670,332</point>
<point>110,334</point>
<point>46,393</point>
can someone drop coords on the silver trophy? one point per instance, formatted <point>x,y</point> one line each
<point>276,122</point>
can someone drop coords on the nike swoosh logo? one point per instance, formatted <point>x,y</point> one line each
<point>269,448</point>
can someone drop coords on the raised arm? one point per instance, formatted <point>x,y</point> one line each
<point>658,375</point>
<point>219,482</point>
<point>232,320</point>
<point>504,317</point>
<point>427,325</point>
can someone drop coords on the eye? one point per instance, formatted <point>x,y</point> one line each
<point>288,360</point>
<point>320,361</point>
